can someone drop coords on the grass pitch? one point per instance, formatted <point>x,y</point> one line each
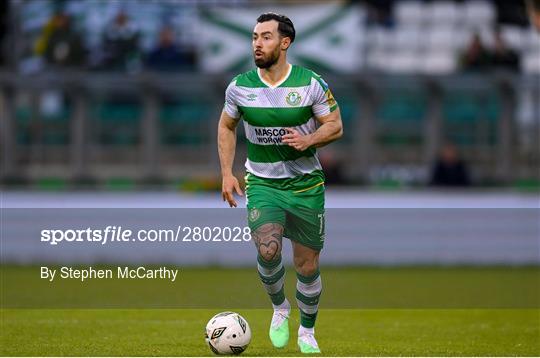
<point>401,311</point>
<point>341,332</point>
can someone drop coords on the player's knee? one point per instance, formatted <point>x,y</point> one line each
<point>306,267</point>
<point>269,254</point>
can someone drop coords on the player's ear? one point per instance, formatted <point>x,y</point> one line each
<point>285,43</point>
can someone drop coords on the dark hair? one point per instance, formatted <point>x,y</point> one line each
<point>285,25</point>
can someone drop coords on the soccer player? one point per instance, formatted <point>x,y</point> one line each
<point>288,111</point>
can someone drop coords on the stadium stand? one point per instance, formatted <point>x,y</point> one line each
<point>410,75</point>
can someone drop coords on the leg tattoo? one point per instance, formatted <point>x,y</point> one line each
<point>267,239</point>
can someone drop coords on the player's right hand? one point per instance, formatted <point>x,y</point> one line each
<point>230,184</point>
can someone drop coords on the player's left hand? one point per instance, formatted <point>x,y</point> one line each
<point>296,140</point>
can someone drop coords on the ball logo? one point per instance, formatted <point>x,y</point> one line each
<point>237,350</point>
<point>293,98</point>
<point>218,332</point>
<point>242,323</point>
<point>213,348</point>
<point>254,214</point>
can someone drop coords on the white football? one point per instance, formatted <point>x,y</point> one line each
<point>228,333</point>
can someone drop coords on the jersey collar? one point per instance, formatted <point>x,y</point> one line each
<point>277,83</point>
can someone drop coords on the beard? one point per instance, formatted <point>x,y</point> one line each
<point>267,61</point>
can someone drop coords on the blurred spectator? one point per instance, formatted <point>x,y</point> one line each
<point>168,55</point>
<point>379,12</point>
<point>476,57</point>
<point>121,44</point>
<point>60,44</point>
<point>503,56</point>
<point>450,169</point>
<point>533,8</point>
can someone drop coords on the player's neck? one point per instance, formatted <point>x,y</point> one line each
<point>276,73</point>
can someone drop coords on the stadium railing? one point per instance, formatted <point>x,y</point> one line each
<point>152,126</point>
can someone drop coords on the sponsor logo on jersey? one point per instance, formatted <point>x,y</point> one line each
<point>269,135</point>
<point>293,98</point>
<point>251,97</point>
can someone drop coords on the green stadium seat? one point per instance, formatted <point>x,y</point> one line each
<point>400,117</point>
<point>118,122</point>
<point>184,122</point>
<point>402,106</point>
<point>54,129</point>
<point>464,111</point>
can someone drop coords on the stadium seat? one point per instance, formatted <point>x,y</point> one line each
<point>184,122</point>
<point>55,127</point>
<point>380,39</point>
<point>404,61</point>
<point>462,39</point>
<point>407,38</point>
<point>479,13</point>
<point>439,62</point>
<point>399,117</point>
<point>514,37</point>
<point>410,12</point>
<point>527,109</point>
<point>444,13</point>
<point>441,38</point>
<point>23,115</point>
<point>530,55</point>
<point>530,62</point>
<point>488,36</point>
<point>398,106</point>
<point>467,106</point>
<point>48,128</point>
<point>463,111</point>
<point>377,59</point>
<point>118,122</point>
<point>533,40</point>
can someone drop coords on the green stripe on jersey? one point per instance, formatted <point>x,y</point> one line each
<point>249,79</point>
<point>275,153</point>
<point>299,77</point>
<point>276,117</point>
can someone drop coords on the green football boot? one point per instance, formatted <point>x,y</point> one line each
<point>308,344</point>
<point>279,328</point>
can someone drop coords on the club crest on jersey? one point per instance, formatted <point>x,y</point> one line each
<point>254,214</point>
<point>293,98</point>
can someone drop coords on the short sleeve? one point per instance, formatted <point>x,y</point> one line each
<point>231,107</point>
<point>323,99</point>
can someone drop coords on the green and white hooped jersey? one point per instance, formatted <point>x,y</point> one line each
<point>268,110</point>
